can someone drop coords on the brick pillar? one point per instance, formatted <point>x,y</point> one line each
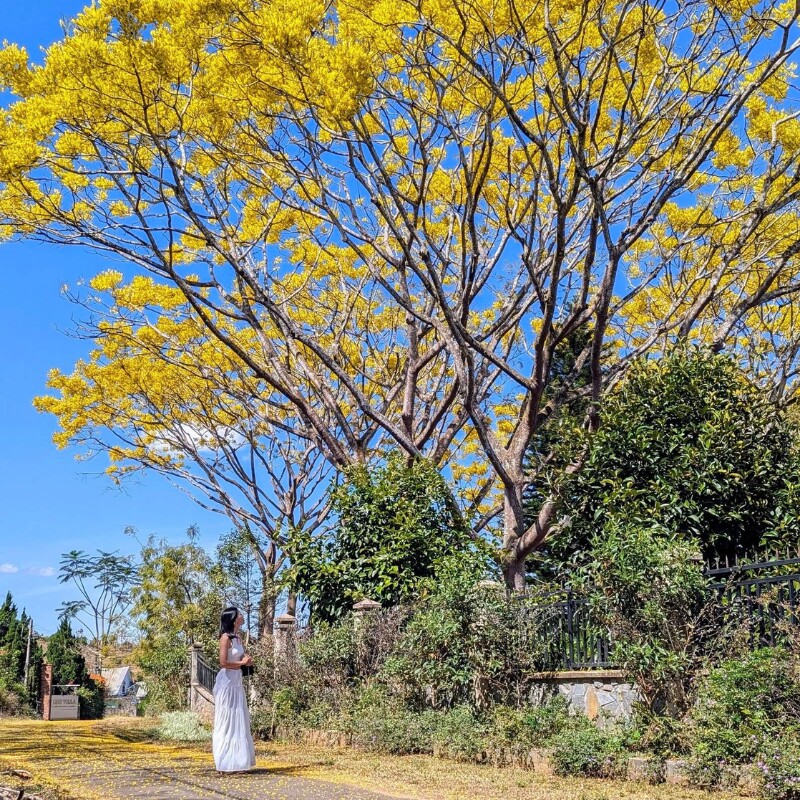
<point>45,687</point>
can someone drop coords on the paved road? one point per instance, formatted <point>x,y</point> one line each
<point>92,763</point>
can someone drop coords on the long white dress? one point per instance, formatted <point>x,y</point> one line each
<point>232,742</point>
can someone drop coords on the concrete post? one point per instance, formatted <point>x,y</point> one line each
<point>362,609</point>
<point>285,639</point>
<point>194,680</point>
<point>194,651</point>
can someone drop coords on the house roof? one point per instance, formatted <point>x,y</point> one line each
<point>118,680</point>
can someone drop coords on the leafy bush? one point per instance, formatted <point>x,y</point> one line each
<point>183,726</point>
<point>395,524</point>
<point>741,705</point>
<point>287,703</point>
<point>12,700</point>
<point>393,730</point>
<point>659,735</point>
<point>262,722</point>
<point>527,728</point>
<point>331,652</point>
<point>91,700</point>
<point>166,669</point>
<point>460,734</point>
<point>647,588</point>
<point>467,642</point>
<point>779,766</point>
<point>431,665</point>
<point>338,654</point>
<point>581,749</point>
<point>291,709</point>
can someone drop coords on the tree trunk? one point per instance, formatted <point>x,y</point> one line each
<point>514,574</point>
<point>266,607</point>
<point>513,531</point>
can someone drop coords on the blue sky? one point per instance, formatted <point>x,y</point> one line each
<point>51,503</point>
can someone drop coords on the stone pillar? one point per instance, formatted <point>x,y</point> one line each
<point>362,609</point>
<point>194,680</point>
<point>285,639</point>
<point>194,652</point>
<point>45,687</point>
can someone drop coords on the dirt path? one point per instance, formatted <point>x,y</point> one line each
<point>89,761</point>
<point>117,759</point>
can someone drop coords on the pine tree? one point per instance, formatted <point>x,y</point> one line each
<point>12,643</point>
<point>64,655</point>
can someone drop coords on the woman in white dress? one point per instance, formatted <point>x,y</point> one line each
<point>231,742</point>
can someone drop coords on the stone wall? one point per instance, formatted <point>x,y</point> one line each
<point>201,701</point>
<point>120,707</point>
<point>601,695</point>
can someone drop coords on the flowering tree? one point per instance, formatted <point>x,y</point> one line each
<point>391,214</point>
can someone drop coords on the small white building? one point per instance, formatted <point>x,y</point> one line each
<point>118,680</point>
<point>122,694</point>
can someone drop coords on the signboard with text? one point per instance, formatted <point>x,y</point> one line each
<point>64,706</point>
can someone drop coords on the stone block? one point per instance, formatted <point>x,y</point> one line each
<point>607,701</point>
<point>626,703</point>
<point>676,772</point>
<point>640,769</point>
<point>579,690</point>
<point>592,706</point>
<point>745,778</point>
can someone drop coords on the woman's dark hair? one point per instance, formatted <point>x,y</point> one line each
<point>227,621</point>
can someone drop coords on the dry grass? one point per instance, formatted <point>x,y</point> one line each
<point>428,778</point>
<point>77,755</point>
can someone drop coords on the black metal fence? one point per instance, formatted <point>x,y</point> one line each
<point>206,675</point>
<point>763,594</point>
<point>574,640</point>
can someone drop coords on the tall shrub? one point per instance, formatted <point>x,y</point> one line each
<point>396,524</point>
<point>687,443</point>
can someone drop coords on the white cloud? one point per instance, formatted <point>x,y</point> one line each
<point>197,437</point>
<point>12,569</point>
<point>45,572</point>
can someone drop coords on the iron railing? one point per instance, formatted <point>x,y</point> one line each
<point>764,595</point>
<point>568,636</point>
<point>205,674</point>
